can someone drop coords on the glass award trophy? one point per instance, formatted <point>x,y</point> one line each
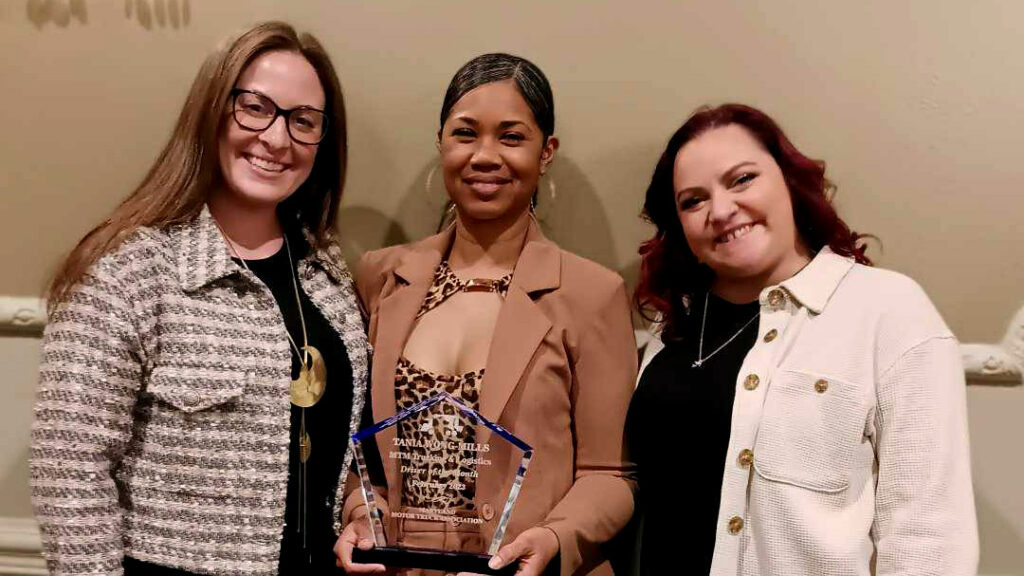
<point>434,453</point>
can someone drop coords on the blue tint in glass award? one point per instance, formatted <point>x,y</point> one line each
<point>434,453</point>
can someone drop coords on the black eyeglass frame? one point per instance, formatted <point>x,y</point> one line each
<point>278,111</point>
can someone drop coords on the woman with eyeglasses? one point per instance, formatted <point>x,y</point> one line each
<point>205,356</point>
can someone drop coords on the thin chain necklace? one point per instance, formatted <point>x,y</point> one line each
<point>701,358</point>
<point>308,388</point>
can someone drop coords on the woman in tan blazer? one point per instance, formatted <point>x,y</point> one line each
<point>546,351</point>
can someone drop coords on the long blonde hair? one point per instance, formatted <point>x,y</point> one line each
<point>180,181</point>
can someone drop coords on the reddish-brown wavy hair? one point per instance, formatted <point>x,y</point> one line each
<point>669,272</point>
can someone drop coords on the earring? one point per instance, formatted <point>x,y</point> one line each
<point>435,198</point>
<point>542,209</point>
<point>447,217</point>
<point>428,183</point>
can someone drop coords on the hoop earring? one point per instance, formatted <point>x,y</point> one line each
<point>543,209</point>
<point>447,217</point>
<point>428,183</point>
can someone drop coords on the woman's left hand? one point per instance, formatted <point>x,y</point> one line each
<point>534,550</point>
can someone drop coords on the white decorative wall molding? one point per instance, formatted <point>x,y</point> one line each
<point>20,548</point>
<point>999,364</point>
<point>22,314</point>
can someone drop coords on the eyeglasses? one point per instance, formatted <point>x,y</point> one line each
<point>255,112</point>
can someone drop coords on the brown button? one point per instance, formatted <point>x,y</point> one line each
<point>192,399</point>
<point>746,457</point>
<point>487,511</point>
<point>735,525</point>
<point>751,382</point>
<point>820,386</point>
<point>776,298</point>
<point>771,335</point>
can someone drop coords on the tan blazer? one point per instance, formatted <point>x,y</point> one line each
<point>559,375</point>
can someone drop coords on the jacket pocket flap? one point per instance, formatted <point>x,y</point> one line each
<point>811,426</point>
<point>194,392</point>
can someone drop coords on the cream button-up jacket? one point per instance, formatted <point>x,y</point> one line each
<point>848,452</point>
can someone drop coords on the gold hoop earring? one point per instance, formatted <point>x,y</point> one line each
<point>447,217</point>
<point>542,208</point>
<point>429,181</point>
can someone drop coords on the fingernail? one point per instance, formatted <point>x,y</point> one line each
<point>494,563</point>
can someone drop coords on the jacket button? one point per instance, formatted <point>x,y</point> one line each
<point>751,382</point>
<point>487,511</point>
<point>771,335</point>
<point>735,525</point>
<point>821,386</point>
<point>192,399</point>
<point>776,298</point>
<point>746,457</point>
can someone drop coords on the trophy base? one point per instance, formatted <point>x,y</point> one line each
<point>445,561</point>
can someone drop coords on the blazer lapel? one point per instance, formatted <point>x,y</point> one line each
<point>521,324</point>
<point>396,314</point>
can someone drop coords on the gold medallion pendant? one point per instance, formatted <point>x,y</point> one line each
<point>308,388</point>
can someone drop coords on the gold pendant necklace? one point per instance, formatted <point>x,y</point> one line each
<point>306,390</point>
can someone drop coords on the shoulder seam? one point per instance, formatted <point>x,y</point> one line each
<point>885,373</point>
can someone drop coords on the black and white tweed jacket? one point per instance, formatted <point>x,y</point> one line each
<point>162,414</point>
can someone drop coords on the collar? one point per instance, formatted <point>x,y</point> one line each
<point>204,255</point>
<point>814,286</point>
<point>538,268</point>
<point>328,256</point>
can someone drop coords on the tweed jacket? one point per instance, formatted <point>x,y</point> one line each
<point>559,375</point>
<point>161,423</point>
<point>848,452</point>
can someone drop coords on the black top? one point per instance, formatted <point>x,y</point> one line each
<point>327,423</point>
<point>678,429</point>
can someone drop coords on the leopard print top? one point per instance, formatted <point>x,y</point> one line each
<point>412,386</point>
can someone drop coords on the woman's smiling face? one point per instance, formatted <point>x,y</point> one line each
<point>735,209</point>
<point>266,167</point>
<point>493,153</point>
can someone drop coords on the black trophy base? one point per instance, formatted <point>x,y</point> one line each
<point>445,561</point>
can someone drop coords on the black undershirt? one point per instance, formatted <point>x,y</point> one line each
<point>327,423</point>
<point>678,430</point>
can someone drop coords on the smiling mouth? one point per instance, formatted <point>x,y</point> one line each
<point>489,185</point>
<point>263,164</point>
<point>735,233</point>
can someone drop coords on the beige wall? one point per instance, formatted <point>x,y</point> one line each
<point>915,104</point>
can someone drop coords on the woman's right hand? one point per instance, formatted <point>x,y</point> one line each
<point>356,534</point>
